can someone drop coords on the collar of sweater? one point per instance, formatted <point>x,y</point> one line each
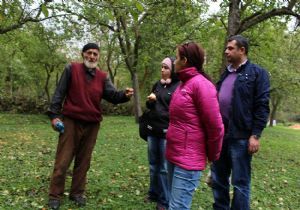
<point>90,71</point>
<point>187,73</point>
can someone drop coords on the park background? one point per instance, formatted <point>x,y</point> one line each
<point>38,38</point>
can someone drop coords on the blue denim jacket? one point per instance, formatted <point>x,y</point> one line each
<point>250,101</point>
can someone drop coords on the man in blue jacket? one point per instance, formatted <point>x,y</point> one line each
<point>244,91</point>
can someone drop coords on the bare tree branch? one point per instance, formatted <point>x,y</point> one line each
<point>122,44</point>
<point>26,17</point>
<point>24,21</point>
<point>245,5</point>
<point>291,4</point>
<point>260,17</point>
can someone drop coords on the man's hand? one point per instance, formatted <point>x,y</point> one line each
<point>53,123</point>
<point>253,146</point>
<point>129,92</point>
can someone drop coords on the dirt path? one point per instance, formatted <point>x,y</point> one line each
<point>296,126</point>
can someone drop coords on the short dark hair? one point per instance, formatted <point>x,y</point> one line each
<point>240,42</point>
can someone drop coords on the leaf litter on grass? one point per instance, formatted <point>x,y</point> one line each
<point>119,177</point>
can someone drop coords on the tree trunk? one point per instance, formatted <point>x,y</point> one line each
<point>234,17</point>
<point>275,101</point>
<point>224,62</point>
<point>237,25</point>
<point>234,22</point>
<point>272,116</point>
<point>11,81</point>
<point>46,87</point>
<point>110,71</point>
<point>10,76</point>
<point>137,100</point>
<point>49,69</point>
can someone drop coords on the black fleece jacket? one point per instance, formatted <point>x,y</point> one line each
<point>159,109</point>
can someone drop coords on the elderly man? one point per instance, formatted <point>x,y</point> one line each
<point>244,91</point>
<point>76,103</point>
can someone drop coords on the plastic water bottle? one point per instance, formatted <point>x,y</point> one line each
<point>60,126</point>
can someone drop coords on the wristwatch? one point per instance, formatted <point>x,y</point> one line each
<point>255,136</point>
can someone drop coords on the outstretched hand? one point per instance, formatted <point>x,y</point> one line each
<point>151,97</point>
<point>129,92</point>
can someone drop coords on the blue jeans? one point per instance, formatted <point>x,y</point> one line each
<point>182,184</point>
<point>236,159</point>
<point>158,189</point>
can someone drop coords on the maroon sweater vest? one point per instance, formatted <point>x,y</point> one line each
<point>83,97</point>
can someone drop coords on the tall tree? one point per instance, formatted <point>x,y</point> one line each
<point>30,57</point>
<point>277,50</point>
<point>14,14</point>
<point>126,20</point>
<point>47,53</point>
<point>245,14</point>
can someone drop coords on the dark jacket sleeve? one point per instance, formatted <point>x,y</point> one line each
<point>60,93</point>
<point>151,104</point>
<point>261,102</point>
<point>112,95</point>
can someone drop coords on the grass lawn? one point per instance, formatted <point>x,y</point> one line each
<point>118,178</point>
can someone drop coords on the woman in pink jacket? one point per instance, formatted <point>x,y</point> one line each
<point>195,130</point>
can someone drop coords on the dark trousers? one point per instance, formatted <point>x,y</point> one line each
<point>158,189</point>
<point>234,159</point>
<point>77,142</point>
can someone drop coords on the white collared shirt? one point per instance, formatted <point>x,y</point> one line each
<point>231,69</point>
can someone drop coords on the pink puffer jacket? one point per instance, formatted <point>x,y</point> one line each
<point>196,129</point>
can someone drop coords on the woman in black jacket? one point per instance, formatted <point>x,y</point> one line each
<point>158,121</point>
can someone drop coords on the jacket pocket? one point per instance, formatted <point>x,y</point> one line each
<point>196,142</point>
<point>246,84</point>
<point>176,139</point>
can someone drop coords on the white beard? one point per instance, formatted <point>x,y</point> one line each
<point>90,65</point>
